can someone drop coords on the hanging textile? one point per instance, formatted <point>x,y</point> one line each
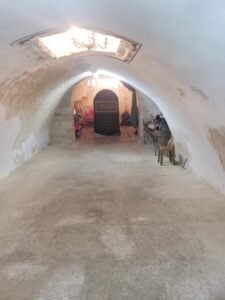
<point>134,108</point>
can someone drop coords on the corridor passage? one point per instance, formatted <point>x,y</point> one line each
<point>103,221</point>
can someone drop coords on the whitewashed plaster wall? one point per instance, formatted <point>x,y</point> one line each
<point>27,105</point>
<point>180,66</point>
<point>61,130</point>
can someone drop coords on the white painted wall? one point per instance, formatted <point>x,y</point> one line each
<point>9,130</point>
<point>181,67</point>
<point>17,146</point>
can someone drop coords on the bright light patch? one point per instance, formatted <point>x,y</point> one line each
<point>79,40</point>
<point>104,83</point>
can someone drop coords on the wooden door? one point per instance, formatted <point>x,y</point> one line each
<point>106,113</point>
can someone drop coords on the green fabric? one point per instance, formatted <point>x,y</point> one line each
<point>134,108</point>
<point>134,111</point>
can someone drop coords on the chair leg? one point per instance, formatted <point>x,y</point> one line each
<point>161,157</point>
<point>170,156</point>
<point>173,157</point>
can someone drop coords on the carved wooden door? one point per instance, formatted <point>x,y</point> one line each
<point>106,113</point>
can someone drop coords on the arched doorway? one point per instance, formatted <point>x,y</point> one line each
<point>106,113</point>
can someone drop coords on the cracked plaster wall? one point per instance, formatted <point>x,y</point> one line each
<point>27,105</point>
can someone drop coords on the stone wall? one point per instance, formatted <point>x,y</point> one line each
<point>61,128</point>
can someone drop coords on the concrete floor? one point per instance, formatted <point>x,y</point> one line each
<point>105,221</point>
<point>127,134</point>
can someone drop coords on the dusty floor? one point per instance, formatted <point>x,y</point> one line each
<point>127,135</point>
<point>107,222</point>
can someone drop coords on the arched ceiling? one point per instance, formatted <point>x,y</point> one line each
<point>181,64</point>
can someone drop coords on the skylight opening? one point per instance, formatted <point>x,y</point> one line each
<point>79,40</point>
<point>85,42</point>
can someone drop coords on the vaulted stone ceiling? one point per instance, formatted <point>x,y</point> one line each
<point>181,67</point>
